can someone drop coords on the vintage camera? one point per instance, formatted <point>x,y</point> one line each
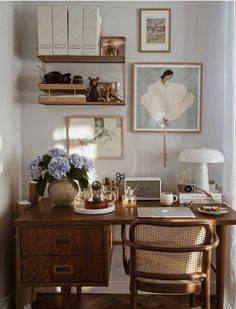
<point>186,188</point>
<point>56,77</point>
<point>77,79</point>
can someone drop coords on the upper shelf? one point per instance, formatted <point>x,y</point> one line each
<point>81,59</point>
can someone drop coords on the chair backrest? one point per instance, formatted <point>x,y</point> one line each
<point>170,248</point>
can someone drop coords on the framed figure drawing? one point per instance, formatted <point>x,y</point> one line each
<point>167,95</point>
<point>99,137</point>
<point>155,30</point>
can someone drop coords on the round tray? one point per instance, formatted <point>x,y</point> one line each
<point>207,210</point>
<point>79,208</point>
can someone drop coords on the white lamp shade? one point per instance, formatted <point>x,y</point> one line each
<point>201,155</point>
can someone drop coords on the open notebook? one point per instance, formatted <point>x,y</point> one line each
<point>165,212</point>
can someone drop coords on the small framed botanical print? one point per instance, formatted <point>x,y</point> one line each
<point>155,30</point>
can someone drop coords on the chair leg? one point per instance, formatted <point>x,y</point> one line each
<point>78,293</point>
<point>192,300</point>
<point>133,294</point>
<point>207,293</point>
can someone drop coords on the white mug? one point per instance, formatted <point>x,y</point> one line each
<point>167,198</point>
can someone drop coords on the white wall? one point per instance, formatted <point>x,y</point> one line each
<point>10,138</point>
<point>197,36</point>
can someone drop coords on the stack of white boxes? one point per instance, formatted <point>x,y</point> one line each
<point>69,31</point>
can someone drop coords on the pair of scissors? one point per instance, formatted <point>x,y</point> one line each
<point>119,177</point>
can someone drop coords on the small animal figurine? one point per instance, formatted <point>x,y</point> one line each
<point>93,95</point>
<point>106,93</point>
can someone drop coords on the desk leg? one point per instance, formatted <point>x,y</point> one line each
<point>78,292</point>
<point>221,231</point>
<point>65,297</point>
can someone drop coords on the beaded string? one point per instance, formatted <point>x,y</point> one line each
<point>164,148</point>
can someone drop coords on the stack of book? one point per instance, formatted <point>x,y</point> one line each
<point>200,197</point>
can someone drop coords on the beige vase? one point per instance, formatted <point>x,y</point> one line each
<point>63,192</point>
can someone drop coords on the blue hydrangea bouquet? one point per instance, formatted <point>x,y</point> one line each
<point>57,164</point>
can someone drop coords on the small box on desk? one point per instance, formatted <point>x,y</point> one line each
<point>147,188</point>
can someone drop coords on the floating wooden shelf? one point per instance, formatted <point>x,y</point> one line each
<point>72,100</point>
<point>81,59</point>
<point>78,87</point>
<point>61,100</point>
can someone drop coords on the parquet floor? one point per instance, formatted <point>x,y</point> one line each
<point>113,301</point>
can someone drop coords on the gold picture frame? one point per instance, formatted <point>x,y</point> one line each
<point>155,30</point>
<point>96,136</point>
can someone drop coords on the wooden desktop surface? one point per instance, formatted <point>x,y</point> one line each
<point>46,213</point>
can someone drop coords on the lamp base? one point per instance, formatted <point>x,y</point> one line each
<point>201,176</point>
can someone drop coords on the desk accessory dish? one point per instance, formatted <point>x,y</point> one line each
<point>213,210</point>
<point>79,208</point>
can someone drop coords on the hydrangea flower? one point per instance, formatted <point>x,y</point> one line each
<point>34,169</point>
<point>58,167</point>
<point>88,164</point>
<point>55,152</point>
<point>76,160</point>
<point>57,164</point>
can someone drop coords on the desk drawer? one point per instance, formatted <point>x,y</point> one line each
<point>62,241</point>
<point>63,269</point>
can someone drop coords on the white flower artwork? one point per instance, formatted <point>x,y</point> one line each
<point>167,94</point>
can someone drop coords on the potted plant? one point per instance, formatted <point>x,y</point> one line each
<point>60,170</point>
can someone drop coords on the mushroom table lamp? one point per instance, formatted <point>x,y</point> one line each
<point>200,157</point>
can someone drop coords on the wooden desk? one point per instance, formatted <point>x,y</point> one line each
<point>53,242</point>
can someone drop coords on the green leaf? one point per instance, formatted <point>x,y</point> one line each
<point>48,177</point>
<point>41,185</point>
<point>83,182</point>
<point>46,159</point>
<point>80,175</point>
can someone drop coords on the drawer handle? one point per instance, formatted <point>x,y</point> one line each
<point>62,242</point>
<point>63,269</point>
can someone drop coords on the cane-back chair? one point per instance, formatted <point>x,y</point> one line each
<point>169,257</point>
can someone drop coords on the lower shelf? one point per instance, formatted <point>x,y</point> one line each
<point>71,100</point>
<point>60,100</point>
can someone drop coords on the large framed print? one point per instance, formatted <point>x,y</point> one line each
<point>98,137</point>
<point>167,95</point>
<point>155,30</point>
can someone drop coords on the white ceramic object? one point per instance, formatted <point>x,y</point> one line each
<point>207,210</point>
<point>79,208</point>
<point>167,198</point>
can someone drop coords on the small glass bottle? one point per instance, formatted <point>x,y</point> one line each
<point>129,198</point>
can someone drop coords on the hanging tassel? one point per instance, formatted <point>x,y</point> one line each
<point>165,157</point>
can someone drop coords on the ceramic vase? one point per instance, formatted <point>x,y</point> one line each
<point>63,192</point>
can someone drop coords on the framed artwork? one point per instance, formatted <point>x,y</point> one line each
<point>155,30</point>
<point>167,95</point>
<point>99,137</point>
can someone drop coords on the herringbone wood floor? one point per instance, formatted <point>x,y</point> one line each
<point>113,301</point>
